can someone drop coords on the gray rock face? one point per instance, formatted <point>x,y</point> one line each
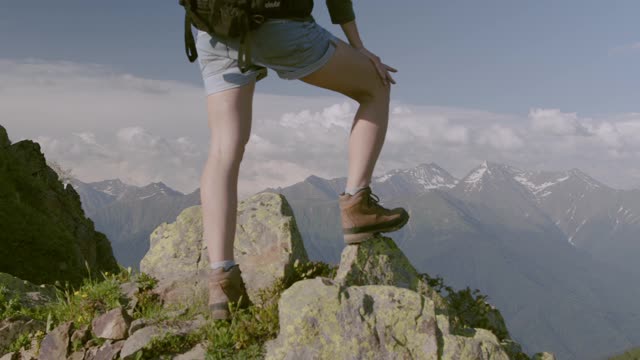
<point>320,319</point>
<point>481,345</point>
<point>266,246</point>
<point>379,261</point>
<point>55,344</point>
<point>11,356</point>
<point>198,352</point>
<point>109,351</point>
<point>114,324</point>
<point>138,340</point>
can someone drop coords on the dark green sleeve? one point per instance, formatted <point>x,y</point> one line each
<point>340,11</point>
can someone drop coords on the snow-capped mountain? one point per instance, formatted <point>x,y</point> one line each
<point>497,229</point>
<point>149,191</point>
<point>420,178</point>
<point>112,187</point>
<point>497,199</point>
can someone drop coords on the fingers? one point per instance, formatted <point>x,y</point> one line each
<point>389,68</point>
<point>381,71</point>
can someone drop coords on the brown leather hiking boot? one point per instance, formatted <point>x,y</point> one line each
<point>226,287</point>
<point>362,216</point>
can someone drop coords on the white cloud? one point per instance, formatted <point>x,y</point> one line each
<point>500,137</point>
<point>555,122</point>
<point>106,125</point>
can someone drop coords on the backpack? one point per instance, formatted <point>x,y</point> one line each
<point>236,19</point>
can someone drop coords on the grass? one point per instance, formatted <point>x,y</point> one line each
<point>241,337</point>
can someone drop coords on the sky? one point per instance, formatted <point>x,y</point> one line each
<point>536,84</point>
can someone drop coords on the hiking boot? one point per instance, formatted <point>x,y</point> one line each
<point>363,217</point>
<point>226,287</point>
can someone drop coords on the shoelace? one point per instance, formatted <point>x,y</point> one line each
<point>373,199</point>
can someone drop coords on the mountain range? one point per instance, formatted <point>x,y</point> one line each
<point>553,250</point>
<point>128,214</point>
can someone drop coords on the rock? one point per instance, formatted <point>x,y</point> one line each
<point>137,324</point>
<point>198,352</point>
<point>31,352</point>
<point>14,355</point>
<point>90,352</point>
<point>379,261</point>
<point>267,241</point>
<point>266,246</point>
<point>113,324</point>
<point>77,355</point>
<point>189,326</point>
<point>543,356</point>
<point>55,344</point>
<point>81,335</point>
<point>482,345</point>
<point>109,351</point>
<point>320,319</point>
<point>12,327</point>
<point>138,340</point>
<point>130,290</point>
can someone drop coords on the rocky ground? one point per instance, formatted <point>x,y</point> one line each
<point>375,305</point>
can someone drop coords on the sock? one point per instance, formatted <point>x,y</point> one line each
<point>226,264</point>
<point>354,190</point>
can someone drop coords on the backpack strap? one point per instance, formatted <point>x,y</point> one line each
<point>244,51</point>
<point>192,18</point>
<point>189,41</point>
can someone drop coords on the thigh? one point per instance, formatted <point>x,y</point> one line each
<point>219,65</point>
<point>348,72</point>
<point>229,115</point>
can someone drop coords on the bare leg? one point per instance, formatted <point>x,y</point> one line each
<point>229,114</point>
<point>351,73</point>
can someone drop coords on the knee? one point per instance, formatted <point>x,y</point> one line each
<point>375,92</point>
<point>227,153</point>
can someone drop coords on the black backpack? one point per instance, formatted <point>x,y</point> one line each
<point>236,19</point>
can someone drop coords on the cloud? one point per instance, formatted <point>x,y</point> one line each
<point>555,122</point>
<point>500,137</point>
<point>103,124</point>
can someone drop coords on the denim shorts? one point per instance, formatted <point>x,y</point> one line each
<point>292,48</point>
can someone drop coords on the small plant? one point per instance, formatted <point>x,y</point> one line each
<point>149,305</point>
<point>468,308</point>
<point>309,270</point>
<point>169,343</point>
<point>23,340</point>
<point>9,304</point>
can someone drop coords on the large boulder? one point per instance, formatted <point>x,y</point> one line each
<point>266,246</point>
<point>319,318</point>
<point>379,261</point>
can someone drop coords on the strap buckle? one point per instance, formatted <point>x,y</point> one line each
<point>258,18</point>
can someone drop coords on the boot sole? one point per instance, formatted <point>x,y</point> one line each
<point>358,238</point>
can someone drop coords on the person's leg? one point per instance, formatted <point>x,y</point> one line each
<point>351,73</point>
<point>229,114</point>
